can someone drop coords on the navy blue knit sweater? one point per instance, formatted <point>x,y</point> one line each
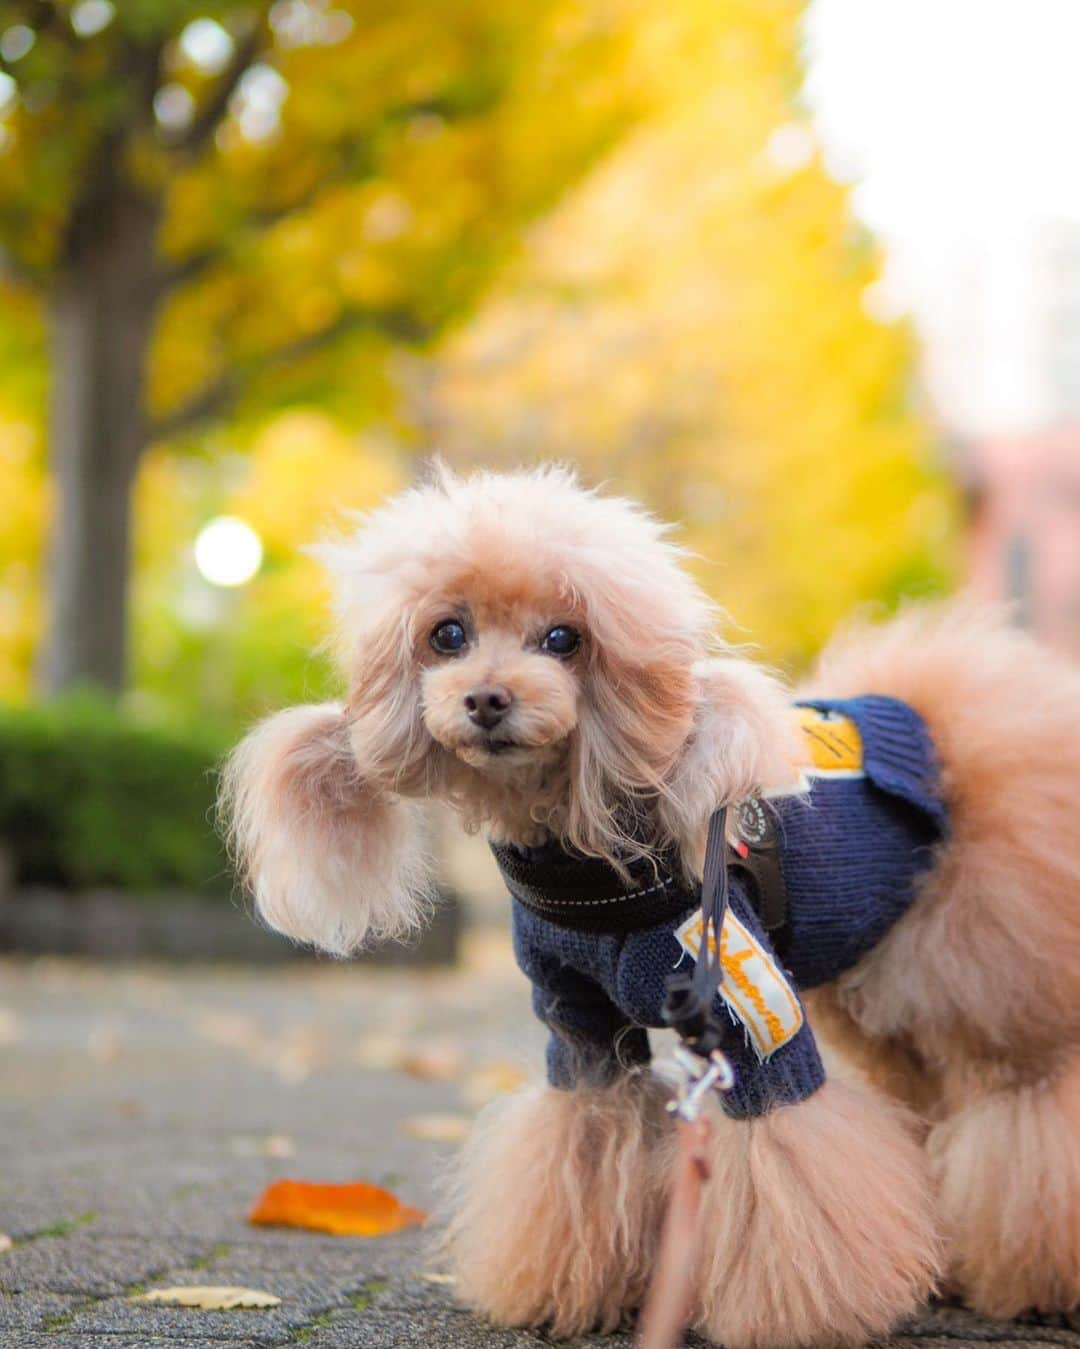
<point>850,851</point>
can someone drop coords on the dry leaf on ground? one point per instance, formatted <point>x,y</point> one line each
<point>11,1031</point>
<point>448,1279</point>
<point>490,1080</point>
<point>379,1053</point>
<point>269,1145</point>
<point>357,1210</point>
<point>209,1299</point>
<point>439,1128</point>
<point>439,1061</point>
<point>6,1242</point>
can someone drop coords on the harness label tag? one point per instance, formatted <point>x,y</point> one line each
<point>754,988</point>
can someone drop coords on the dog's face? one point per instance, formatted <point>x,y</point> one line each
<point>502,675</point>
<point>504,624</point>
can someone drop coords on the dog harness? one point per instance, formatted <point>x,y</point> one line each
<point>816,879</point>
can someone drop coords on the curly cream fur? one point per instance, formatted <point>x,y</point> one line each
<point>527,548</point>
<point>820,1227</point>
<point>328,860</point>
<point>970,1006</point>
<point>820,1224</point>
<point>556,1204</point>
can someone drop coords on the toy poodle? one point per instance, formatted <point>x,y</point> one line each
<point>904,885</point>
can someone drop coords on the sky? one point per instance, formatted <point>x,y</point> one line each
<point>949,110</point>
<point>958,124</point>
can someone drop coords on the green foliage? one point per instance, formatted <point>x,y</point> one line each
<point>325,176</point>
<point>89,798</point>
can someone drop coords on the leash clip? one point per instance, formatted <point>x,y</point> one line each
<point>701,1075</point>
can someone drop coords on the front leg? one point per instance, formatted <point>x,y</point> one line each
<point>817,1220</point>
<point>817,1224</point>
<point>556,1206</point>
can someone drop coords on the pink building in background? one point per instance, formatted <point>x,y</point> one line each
<point>1025,528</point>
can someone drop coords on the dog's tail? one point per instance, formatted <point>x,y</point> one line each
<point>992,947</point>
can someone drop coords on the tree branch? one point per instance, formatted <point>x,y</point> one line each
<point>258,219</point>
<point>221,394</point>
<point>190,268</point>
<point>210,116</point>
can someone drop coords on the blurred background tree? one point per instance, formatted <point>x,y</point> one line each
<point>209,209</point>
<point>260,257</point>
<point>697,324</point>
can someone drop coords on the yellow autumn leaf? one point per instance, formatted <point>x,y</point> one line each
<point>209,1298</point>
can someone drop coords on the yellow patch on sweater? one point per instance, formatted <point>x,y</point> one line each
<point>833,744</point>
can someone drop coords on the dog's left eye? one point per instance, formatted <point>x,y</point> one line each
<point>561,641</point>
<point>448,636</point>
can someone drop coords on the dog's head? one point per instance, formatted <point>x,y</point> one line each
<point>523,647</point>
<point>526,650</point>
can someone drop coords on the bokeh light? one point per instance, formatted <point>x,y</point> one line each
<point>228,552</point>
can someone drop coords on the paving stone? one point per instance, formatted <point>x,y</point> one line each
<point>86,1264</point>
<point>141,1114</point>
<point>23,1312</point>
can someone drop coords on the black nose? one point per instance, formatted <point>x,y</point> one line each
<point>487,706</point>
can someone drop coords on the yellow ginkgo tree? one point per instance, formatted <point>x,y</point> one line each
<point>696,323</point>
<point>208,205</point>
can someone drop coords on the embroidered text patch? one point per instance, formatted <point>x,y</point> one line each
<point>754,988</point>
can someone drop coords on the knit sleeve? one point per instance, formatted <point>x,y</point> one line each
<point>592,1042</point>
<point>854,849</point>
<point>752,1002</point>
<point>767,1039</point>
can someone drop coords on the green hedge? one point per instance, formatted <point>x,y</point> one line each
<point>90,798</point>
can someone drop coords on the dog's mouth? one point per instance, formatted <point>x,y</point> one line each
<point>487,750</point>
<point>496,744</point>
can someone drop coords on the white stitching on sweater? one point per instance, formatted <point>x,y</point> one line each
<point>616,899</point>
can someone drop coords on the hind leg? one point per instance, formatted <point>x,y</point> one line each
<point>818,1224</point>
<point>1007,1166</point>
<point>557,1205</point>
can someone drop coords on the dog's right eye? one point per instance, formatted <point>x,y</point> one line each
<point>448,636</point>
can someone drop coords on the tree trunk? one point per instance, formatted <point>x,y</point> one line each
<point>102,313</point>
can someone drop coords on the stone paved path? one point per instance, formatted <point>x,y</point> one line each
<point>142,1110</point>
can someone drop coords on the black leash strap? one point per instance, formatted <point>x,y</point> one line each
<point>688,1005</point>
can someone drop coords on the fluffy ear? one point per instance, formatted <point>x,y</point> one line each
<point>330,859</point>
<point>742,742</point>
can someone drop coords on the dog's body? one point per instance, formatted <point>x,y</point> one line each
<point>538,657</point>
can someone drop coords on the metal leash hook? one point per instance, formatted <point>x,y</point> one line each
<point>702,1076</point>
<point>704,1068</point>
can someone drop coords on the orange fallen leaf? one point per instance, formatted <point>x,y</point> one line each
<point>357,1210</point>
